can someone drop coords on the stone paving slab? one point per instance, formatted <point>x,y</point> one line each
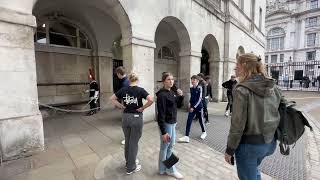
<point>69,155</point>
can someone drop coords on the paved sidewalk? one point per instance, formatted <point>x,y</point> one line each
<point>88,148</point>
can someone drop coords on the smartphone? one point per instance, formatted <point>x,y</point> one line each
<point>232,160</point>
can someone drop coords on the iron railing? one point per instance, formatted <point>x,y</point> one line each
<point>304,76</point>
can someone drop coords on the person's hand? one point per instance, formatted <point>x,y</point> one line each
<point>140,109</point>
<point>229,159</point>
<point>191,110</point>
<point>166,138</point>
<point>179,92</point>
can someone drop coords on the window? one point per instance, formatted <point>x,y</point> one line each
<point>274,58</point>
<point>312,22</point>
<point>313,4</point>
<point>311,55</point>
<point>309,70</point>
<point>281,57</point>
<point>61,33</point>
<point>165,53</point>
<point>260,18</point>
<point>311,39</point>
<point>275,39</point>
<point>266,59</point>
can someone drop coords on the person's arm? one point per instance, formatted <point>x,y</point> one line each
<point>238,119</point>
<point>224,84</point>
<point>199,99</point>
<point>115,102</point>
<point>146,105</point>
<point>179,98</point>
<point>161,107</point>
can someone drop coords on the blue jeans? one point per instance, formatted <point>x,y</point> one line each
<point>166,149</point>
<point>249,157</point>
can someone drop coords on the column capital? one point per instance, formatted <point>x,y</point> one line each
<point>14,17</point>
<point>190,53</point>
<point>138,41</point>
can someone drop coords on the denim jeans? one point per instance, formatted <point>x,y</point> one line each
<point>166,149</point>
<point>249,157</point>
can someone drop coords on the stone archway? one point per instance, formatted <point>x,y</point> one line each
<point>105,23</point>
<point>172,42</point>
<point>210,45</point>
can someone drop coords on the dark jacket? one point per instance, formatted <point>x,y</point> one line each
<point>167,108</point>
<point>196,95</point>
<point>203,84</point>
<point>255,114</point>
<point>209,90</point>
<point>229,85</point>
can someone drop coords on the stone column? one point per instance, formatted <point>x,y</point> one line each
<point>189,65</point>
<point>218,68</point>
<point>21,126</point>
<point>138,56</point>
<point>105,75</point>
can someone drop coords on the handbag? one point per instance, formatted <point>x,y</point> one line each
<point>172,160</point>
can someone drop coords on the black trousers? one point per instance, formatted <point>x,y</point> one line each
<point>230,100</point>
<point>93,105</point>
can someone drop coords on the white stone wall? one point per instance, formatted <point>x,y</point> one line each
<point>294,25</point>
<point>21,129</point>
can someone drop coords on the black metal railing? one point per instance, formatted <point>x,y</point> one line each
<point>304,76</point>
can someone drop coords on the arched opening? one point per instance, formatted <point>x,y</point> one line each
<point>240,51</point>
<point>210,61</point>
<point>275,39</point>
<point>171,39</point>
<point>69,42</point>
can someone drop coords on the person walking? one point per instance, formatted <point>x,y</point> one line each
<point>255,117</point>
<point>124,82</point>
<point>229,85</point>
<point>195,109</point>
<point>167,101</point>
<point>204,84</point>
<point>132,118</point>
<point>208,98</point>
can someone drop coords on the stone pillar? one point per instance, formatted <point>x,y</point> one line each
<point>189,65</point>
<point>217,67</point>
<point>21,126</point>
<point>138,56</point>
<point>105,71</point>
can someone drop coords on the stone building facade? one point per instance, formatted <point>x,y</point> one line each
<point>292,34</point>
<point>47,47</point>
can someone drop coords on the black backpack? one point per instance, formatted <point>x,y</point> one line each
<point>291,127</point>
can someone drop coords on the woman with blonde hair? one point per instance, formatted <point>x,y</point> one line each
<point>254,119</point>
<point>132,118</point>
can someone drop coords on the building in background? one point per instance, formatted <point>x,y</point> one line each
<point>47,47</point>
<point>293,46</point>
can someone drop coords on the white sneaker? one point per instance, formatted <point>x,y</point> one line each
<point>226,114</point>
<point>138,168</point>
<point>123,142</point>
<point>203,135</point>
<point>176,175</point>
<point>184,139</point>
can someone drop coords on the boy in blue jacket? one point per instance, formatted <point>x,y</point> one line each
<point>195,109</point>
